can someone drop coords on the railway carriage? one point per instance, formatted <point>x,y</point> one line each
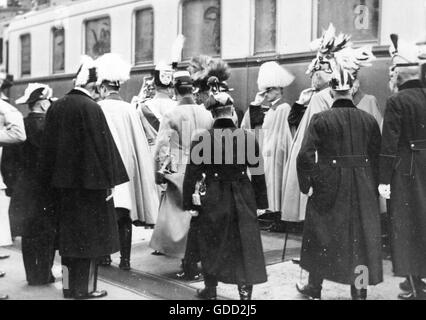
<point>45,45</point>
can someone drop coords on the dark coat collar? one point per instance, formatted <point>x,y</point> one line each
<point>343,103</point>
<point>36,115</point>
<point>412,84</point>
<point>186,101</point>
<point>223,124</point>
<point>80,93</point>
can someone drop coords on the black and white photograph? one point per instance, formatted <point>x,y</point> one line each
<point>235,151</point>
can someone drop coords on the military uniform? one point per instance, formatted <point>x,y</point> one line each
<point>79,164</point>
<point>227,229</point>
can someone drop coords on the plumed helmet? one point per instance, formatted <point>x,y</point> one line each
<point>35,92</point>
<point>342,79</point>
<point>86,73</point>
<point>272,75</point>
<point>112,69</point>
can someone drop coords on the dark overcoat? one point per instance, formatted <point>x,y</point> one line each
<point>228,231</point>
<point>28,216</point>
<point>339,160</point>
<point>403,165</point>
<point>79,163</point>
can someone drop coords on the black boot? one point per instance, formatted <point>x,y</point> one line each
<point>125,233</point>
<point>313,289</point>
<point>245,292</point>
<point>358,294</point>
<point>190,271</point>
<point>416,292</point>
<point>105,261</point>
<point>208,293</point>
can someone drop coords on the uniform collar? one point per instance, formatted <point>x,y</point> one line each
<point>114,96</point>
<point>223,123</point>
<point>412,84</point>
<point>343,103</point>
<point>186,101</point>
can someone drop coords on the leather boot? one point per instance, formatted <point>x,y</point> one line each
<point>358,294</point>
<point>190,271</point>
<point>125,233</point>
<point>208,293</point>
<point>245,292</point>
<point>105,261</point>
<point>416,292</point>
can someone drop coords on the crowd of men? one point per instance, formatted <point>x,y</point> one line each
<point>80,171</point>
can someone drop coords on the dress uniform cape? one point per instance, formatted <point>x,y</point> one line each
<point>79,161</point>
<point>228,235</point>
<point>402,164</point>
<point>342,227</point>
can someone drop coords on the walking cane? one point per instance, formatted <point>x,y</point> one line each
<point>413,286</point>
<point>285,246</point>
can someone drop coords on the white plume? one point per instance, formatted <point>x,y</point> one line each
<point>272,75</point>
<point>111,67</point>
<point>82,77</point>
<point>177,48</point>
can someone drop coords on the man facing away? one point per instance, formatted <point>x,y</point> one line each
<point>135,201</point>
<point>227,231</point>
<point>337,168</point>
<point>79,167</point>
<point>402,168</point>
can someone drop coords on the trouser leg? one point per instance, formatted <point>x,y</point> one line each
<point>192,256</point>
<point>245,291</point>
<point>85,276</point>
<point>30,259</point>
<point>125,234</point>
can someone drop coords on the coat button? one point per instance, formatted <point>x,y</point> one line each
<point>216,175</point>
<point>413,145</point>
<point>334,162</point>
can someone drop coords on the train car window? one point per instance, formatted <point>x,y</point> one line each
<point>144,42</point>
<point>25,55</point>
<point>98,36</point>
<point>201,27</point>
<point>265,26</point>
<point>357,17</point>
<point>58,48</point>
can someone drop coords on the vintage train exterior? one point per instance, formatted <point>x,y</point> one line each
<point>46,45</point>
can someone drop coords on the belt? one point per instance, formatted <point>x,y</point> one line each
<point>345,161</point>
<point>418,145</point>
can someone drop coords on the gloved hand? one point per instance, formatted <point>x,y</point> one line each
<point>385,191</point>
<point>311,192</point>
<point>259,99</point>
<point>306,96</point>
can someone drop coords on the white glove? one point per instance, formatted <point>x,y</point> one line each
<point>311,192</point>
<point>260,98</point>
<point>193,213</point>
<point>260,212</point>
<point>306,96</point>
<point>385,191</point>
<point>111,194</point>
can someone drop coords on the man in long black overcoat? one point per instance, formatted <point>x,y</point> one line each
<point>81,165</point>
<point>337,166</point>
<point>403,170</point>
<point>29,217</point>
<point>227,229</point>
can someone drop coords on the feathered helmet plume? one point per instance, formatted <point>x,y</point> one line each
<point>327,46</point>
<point>203,67</point>
<point>86,73</point>
<point>112,69</point>
<point>405,54</point>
